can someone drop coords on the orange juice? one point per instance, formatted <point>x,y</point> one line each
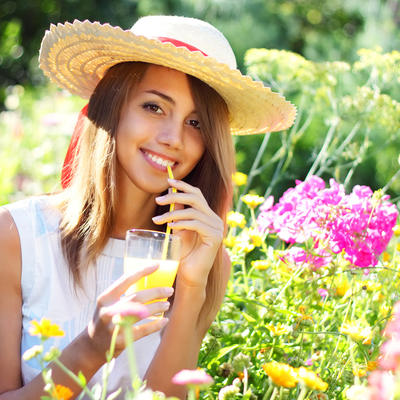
<point>164,276</point>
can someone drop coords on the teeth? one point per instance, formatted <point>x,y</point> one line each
<point>160,161</point>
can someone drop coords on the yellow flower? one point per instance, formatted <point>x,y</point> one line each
<point>386,256</point>
<point>373,286</point>
<point>396,230</point>
<point>260,264</point>
<point>356,332</point>
<point>278,329</point>
<point>359,372</point>
<point>256,237</point>
<point>45,329</point>
<point>61,392</point>
<point>281,374</point>
<point>384,309</point>
<point>230,241</point>
<point>311,379</point>
<point>398,246</point>
<point>244,246</point>
<point>342,287</point>
<point>371,365</point>
<point>239,179</point>
<point>234,219</point>
<point>252,200</point>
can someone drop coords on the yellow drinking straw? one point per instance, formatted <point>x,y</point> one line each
<point>171,208</point>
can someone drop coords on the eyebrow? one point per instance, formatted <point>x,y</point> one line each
<point>162,95</point>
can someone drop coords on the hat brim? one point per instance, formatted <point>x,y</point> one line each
<point>76,56</point>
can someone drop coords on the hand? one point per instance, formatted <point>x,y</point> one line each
<point>110,303</point>
<point>200,228</point>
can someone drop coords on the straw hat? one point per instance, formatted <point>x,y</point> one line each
<point>76,56</point>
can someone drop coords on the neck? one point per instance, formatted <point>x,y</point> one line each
<point>134,209</point>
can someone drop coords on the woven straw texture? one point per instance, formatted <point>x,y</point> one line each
<point>76,55</point>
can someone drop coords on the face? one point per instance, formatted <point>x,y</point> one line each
<point>158,126</point>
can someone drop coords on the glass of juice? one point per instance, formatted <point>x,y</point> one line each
<point>144,248</point>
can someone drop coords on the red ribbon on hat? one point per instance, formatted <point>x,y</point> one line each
<point>66,172</point>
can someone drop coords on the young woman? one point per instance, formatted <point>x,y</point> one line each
<point>165,93</point>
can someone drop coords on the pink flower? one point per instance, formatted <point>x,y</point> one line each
<point>128,312</point>
<point>390,355</point>
<point>359,224</point>
<point>192,377</point>
<point>322,292</point>
<point>381,386</point>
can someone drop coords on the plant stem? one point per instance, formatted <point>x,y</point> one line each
<point>303,393</point>
<point>73,377</point>
<point>274,393</point>
<point>109,356</point>
<point>254,167</point>
<point>269,391</point>
<point>131,355</point>
<point>191,394</point>
<point>323,150</point>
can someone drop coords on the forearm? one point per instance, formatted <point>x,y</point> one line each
<point>180,343</point>
<point>78,356</point>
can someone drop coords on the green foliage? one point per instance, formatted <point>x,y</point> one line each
<point>347,124</point>
<point>273,311</point>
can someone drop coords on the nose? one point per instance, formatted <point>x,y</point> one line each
<point>171,134</point>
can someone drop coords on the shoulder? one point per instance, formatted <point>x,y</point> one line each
<point>8,231</point>
<point>10,264</point>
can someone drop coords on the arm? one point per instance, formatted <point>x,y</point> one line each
<point>182,337</point>
<point>87,352</point>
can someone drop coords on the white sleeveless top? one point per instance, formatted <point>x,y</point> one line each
<point>47,289</point>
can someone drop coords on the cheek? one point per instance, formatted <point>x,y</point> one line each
<point>197,147</point>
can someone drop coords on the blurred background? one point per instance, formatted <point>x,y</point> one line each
<point>348,115</point>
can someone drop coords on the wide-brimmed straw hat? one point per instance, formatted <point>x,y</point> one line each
<point>76,56</point>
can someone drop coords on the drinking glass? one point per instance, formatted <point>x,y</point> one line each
<point>144,248</point>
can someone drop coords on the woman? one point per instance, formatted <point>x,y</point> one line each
<point>165,93</point>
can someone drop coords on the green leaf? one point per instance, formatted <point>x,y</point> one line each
<point>222,353</point>
<point>248,317</point>
<point>82,379</point>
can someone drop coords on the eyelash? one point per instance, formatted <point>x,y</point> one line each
<point>152,107</point>
<point>155,108</point>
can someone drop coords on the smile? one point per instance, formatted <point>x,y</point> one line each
<point>162,162</point>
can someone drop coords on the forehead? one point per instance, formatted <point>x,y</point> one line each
<point>165,79</point>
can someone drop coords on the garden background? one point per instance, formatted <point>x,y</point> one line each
<point>338,62</point>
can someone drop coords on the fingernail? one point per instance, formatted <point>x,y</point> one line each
<point>170,180</point>
<point>169,291</point>
<point>165,305</point>
<point>157,218</point>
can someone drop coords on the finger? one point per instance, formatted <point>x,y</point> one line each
<point>143,296</point>
<point>157,307</point>
<point>189,213</point>
<point>121,285</point>
<point>148,328</point>
<point>190,199</point>
<point>209,235</point>
<point>183,186</point>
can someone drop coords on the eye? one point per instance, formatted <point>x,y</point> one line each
<point>152,107</point>
<point>194,123</point>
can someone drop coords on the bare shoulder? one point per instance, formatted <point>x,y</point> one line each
<point>10,303</point>
<point>9,239</point>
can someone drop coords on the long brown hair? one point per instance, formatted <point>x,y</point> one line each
<point>88,204</point>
